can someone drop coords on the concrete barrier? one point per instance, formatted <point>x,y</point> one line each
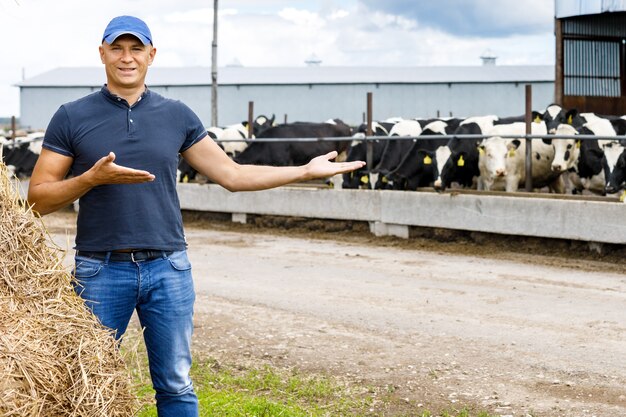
<point>393,212</point>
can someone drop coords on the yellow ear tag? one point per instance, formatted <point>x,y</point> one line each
<point>511,153</point>
<point>481,151</point>
<point>570,120</point>
<point>623,196</point>
<point>365,179</point>
<point>427,160</point>
<point>537,119</point>
<point>385,180</point>
<point>461,161</point>
<point>578,144</point>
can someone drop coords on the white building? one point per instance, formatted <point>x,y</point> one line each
<point>313,93</point>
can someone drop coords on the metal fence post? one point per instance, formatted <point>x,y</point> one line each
<point>529,147</point>
<point>369,155</point>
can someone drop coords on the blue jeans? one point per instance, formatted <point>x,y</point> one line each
<point>161,290</point>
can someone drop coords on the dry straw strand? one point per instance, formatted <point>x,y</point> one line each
<point>56,359</point>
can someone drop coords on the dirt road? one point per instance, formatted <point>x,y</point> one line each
<point>516,334</point>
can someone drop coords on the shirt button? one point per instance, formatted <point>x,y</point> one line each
<point>131,120</point>
<point>119,99</point>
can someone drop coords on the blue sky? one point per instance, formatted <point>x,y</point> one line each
<point>40,35</point>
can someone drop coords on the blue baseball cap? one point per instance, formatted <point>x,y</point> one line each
<point>123,25</point>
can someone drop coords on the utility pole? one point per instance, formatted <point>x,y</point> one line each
<point>214,68</point>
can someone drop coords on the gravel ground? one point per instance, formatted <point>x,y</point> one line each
<point>516,326</point>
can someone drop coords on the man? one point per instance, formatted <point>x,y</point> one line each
<point>122,145</point>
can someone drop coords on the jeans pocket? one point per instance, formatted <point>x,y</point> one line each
<point>179,261</point>
<point>86,268</point>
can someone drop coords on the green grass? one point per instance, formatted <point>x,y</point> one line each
<point>230,391</point>
<point>262,392</point>
<point>265,391</point>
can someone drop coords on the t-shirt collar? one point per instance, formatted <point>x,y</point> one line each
<point>116,99</point>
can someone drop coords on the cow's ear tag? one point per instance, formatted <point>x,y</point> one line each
<point>481,151</point>
<point>365,179</point>
<point>427,160</point>
<point>623,196</point>
<point>578,144</point>
<point>461,161</point>
<point>385,180</point>
<point>570,120</point>
<point>511,153</point>
<point>537,119</point>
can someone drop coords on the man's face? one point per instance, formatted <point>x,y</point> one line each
<point>126,62</point>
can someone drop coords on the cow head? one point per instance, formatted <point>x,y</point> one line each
<point>614,163</point>
<point>566,151</point>
<point>492,157</point>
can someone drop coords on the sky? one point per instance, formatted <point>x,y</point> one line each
<point>41,35</point>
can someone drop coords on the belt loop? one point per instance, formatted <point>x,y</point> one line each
<point>106,257</point>
<point>132,257</point>
<point>164,254</point>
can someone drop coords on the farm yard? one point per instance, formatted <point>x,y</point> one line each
<point>515,326</point>
<point>473,266</point>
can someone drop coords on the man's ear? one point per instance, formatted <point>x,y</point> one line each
<point>152,54</point>
<point>101,50</point>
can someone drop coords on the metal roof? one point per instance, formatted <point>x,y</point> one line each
<point>569,8</point>
<point>193,76</point>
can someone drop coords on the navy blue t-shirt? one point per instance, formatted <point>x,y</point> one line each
<point>148,136</point>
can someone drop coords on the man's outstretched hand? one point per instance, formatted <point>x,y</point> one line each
<point>321,166</point>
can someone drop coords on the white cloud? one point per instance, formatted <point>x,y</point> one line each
<point>41,35</point>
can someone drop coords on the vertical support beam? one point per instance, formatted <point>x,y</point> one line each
<point>369,156</point>
<point>558,68</point>
<point>529,146</point>
<point>13,127</point>
<point>250,118</point>
<point>214,68</point>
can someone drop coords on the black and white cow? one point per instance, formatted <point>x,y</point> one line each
<point>585,160</point>
<point>230,138</point>
<point>457,161</point>
<point>296,153</point>
<point>396,149</point>
<point>21,155</point>
<point>615,168</point>
<point>416,169</point>
<point>360,178</point>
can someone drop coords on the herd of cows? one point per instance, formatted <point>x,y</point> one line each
<point>407,154</point>
<point>438,153</point>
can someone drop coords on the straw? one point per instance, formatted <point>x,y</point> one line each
<point>56,359</point>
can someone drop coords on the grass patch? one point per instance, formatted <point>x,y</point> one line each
<point>265,391</point>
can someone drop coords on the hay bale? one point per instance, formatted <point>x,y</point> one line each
<point>56,359</point>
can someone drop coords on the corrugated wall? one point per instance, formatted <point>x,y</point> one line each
<point>317,102</point>
<point>592,59</point>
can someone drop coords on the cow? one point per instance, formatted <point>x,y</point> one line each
<point>396,149</point>
<point>21,154</point>
<point>416,169</point>
<point>285,153</point>
<point>502,159</point>
<point>614,165</point>
<point>457,161</point>
<point>232,140</point>
<point>234,136</point>
<point>360,178</point>
<point>585,160</point>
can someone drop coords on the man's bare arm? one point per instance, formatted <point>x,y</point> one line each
<point>49,191</point>
<point>209,159</point>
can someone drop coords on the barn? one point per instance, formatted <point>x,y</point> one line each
<point>591,55</point>
<point>313,92</point>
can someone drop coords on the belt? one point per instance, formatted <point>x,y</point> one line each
<point>133,256</point>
